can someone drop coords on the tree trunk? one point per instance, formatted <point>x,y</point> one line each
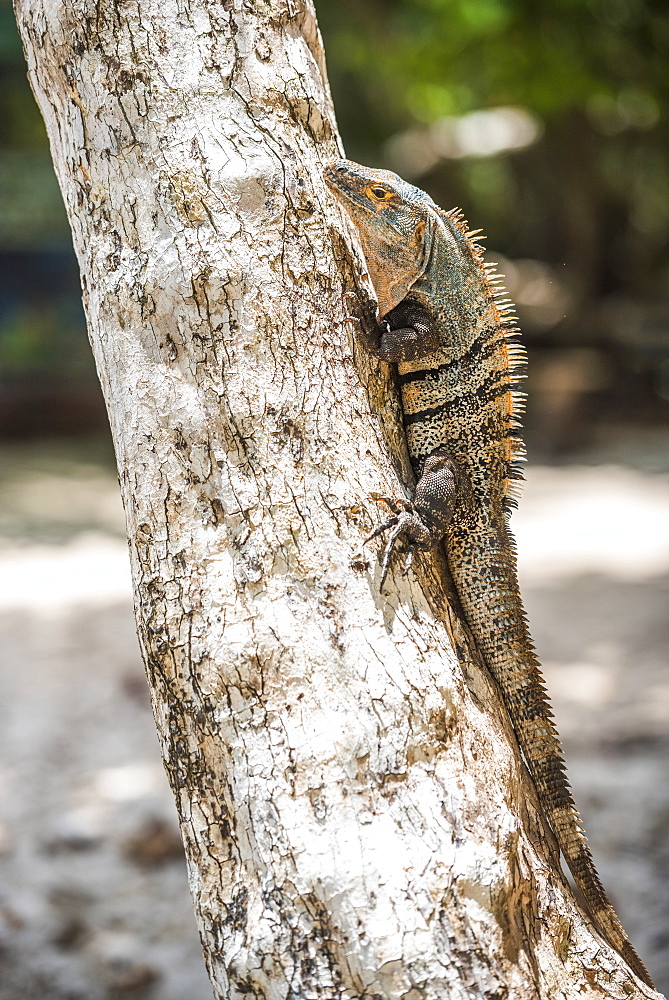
<point>355,814</point>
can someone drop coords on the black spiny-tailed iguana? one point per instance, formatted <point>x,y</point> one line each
<point>454,342</point>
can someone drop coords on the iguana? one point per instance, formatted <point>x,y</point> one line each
<point>452,335</point>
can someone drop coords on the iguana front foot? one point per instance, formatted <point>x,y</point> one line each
<point>407,333</point>
<point>422,522</point>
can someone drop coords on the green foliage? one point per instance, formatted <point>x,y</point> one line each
<point>42,334</point>
<point>429,58</point>
<point>593,72</point>
<point>31,208</point>
<point>582,207</point>
<point>590,196</point>
<point>10,43</point>
<point>42,338</point>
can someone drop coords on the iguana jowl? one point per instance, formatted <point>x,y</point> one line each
<point>453,339</point>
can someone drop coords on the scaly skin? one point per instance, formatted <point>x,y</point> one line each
<point>454,342</point>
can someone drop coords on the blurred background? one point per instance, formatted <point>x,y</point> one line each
<point>547,124</point>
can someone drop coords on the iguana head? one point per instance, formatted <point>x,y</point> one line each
<point>394,221</point>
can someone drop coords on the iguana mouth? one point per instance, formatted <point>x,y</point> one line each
<point>343,182</point>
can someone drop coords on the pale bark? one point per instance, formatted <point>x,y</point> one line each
<point>356,818</point>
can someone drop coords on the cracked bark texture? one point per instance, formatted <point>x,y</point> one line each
<point>356,818</point>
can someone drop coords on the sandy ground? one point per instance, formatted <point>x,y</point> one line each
<point>93,896</point>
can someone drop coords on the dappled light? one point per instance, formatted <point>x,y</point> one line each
<point>479,133</point>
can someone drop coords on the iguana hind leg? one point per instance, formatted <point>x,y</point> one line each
<point>421,522</point>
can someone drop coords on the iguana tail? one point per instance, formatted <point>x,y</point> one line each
<point>495,613</point>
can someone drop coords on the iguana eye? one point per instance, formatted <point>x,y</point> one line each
<point>379,193</point>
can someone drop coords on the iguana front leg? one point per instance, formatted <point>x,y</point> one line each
<point>423,521</point>
<point>407,333</point>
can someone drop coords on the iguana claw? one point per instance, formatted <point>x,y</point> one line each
<point>406,522</point>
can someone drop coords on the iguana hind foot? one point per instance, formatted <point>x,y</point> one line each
<point>422,522</point>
